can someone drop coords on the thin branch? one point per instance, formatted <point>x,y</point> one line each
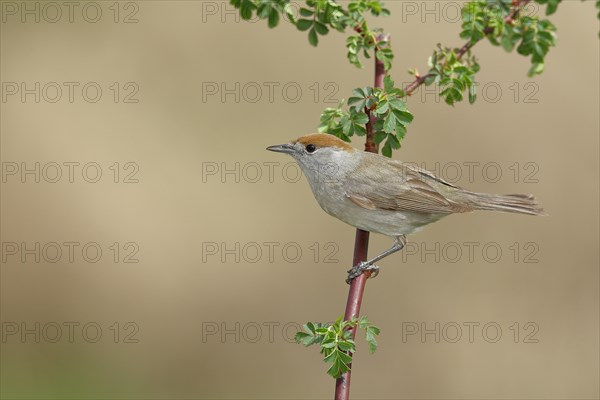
<point>361,242</point>
<point>516,7</point>
<point>355,296</point>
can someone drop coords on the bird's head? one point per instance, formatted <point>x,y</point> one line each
<point>315,150</point>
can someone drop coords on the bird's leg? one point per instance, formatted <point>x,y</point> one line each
<point>369,265</point>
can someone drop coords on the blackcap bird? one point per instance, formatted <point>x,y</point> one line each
<point>377,194</point>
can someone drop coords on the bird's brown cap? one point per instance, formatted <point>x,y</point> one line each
<point>324,140</point>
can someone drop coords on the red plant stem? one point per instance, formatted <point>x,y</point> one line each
<point>361,245</point>
<point>355,295</point>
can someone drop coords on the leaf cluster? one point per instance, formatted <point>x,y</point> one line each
<point>389,112</point>
<point>454,75</point>
<point>503,25</point>
<point>535,37</point>
<point>335,341</point>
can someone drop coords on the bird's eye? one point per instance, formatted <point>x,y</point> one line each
<point>311,148</point>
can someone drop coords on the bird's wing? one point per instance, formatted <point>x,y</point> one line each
<point>391,185</point>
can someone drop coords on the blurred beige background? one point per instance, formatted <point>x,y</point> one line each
<point>480,306</point>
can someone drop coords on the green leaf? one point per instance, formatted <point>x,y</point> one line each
<point>360,118</point>
<point>340,363</point>
<point>337,369</point>
<point>551,5</point>
<point>472,94</point>
<point>379,136</point>
<point>246,10</point>
<point>372,344</point>
<point>508,43</point>
<point>359,92</point>
<point>304,24</point>
<point>389,123</point>
<point>387,150</point>
<point>451,94</point>
<point>386,56</point>
<point>305,12</point>
<point>346,124</point>
<point>536,69</point>
<point>288,10</point>
<point>346,346</point>
<point>373,330</point>
<point>400,131</point>
<point>363,322</point>
<point>273,18</point>
<point>358,103</point>
<point>371,333</point>
<point>382,107</point>
<point>388,84</point>
<point>321,28</point>
<point>330,357</point>
<point>300,336</point>
<point>393,141</point>
<point>344,357</point>
<point>457,83</point>
<point>312,37</point>
<point>263,11</point>
<point>403,116</point>
<point>430,79</point>
<point>397,104</point>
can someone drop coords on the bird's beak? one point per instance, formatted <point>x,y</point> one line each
<point>282,148</point>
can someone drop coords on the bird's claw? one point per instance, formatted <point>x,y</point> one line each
<point>363,266</point>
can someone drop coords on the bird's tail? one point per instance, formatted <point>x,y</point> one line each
<point>517,203</point>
